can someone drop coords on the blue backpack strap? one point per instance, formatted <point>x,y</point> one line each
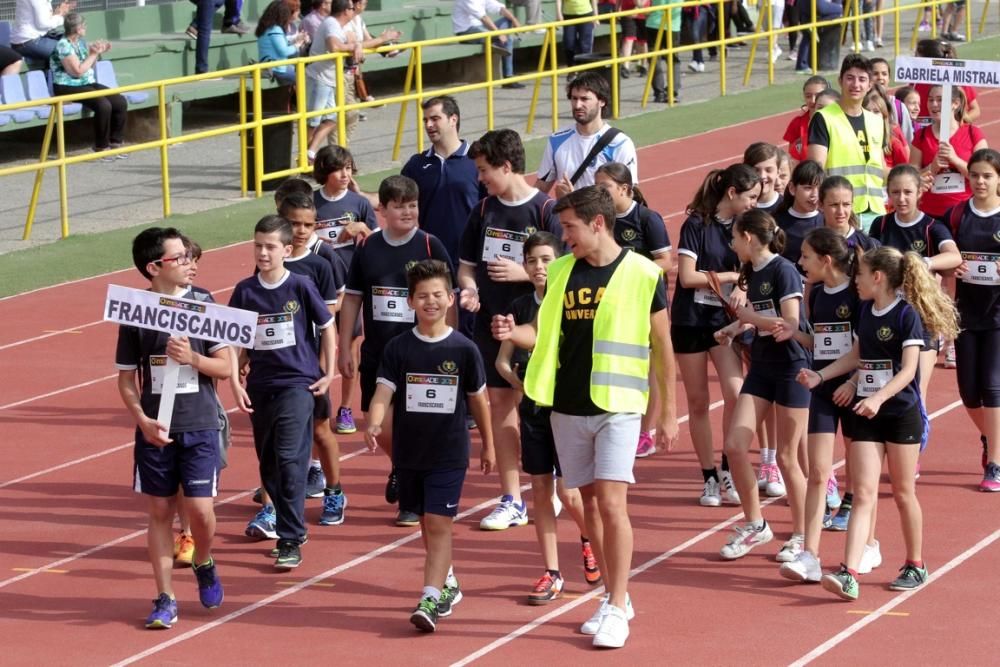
<point>925,431</point>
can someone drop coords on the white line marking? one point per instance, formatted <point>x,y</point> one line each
<point>67,464</point>
<point>57,392</point>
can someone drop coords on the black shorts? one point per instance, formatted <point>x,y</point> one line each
<point>321,407</point>
<point>489,347</point>
<point>634,28</point>
<point>430,491</point>
<point>367,374</point>
<point>776,383</point>
<point>538,447</point>
<point>692,340</point>
<point>904,429</point>
<point>825,415</point>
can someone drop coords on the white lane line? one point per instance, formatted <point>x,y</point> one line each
<point>360,560</point>
<point>132,535</point>
<point>555,613</point>
<point>57,392</point>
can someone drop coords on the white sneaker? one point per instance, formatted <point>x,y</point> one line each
<point>871,558</point>
<point>776,53</point>
<point>791,549</point>
<point>613,630</point>
<point>711,496</point>
<point>762,476</point>
<point>775,487</point>
<point>505,515</point>
<point>729,493</point>
<point>593,624</point>
<point>745,538</point>
<point>869,46</point>
<point>805,568</point>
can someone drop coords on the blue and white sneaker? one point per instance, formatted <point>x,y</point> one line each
<point>264,525</point>
<point>333,509</point>
<point>164,613</point>
<point>209,587</point>
<point>315,482</point>
<point>832,493</point>
<point>839,521</point>
<point>506,514</point>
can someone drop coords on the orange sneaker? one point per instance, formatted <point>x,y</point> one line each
<point>183,549</point>
<point>591,572</point>
<point>546,589</point>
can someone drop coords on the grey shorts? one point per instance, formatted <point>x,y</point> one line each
<point>598,447</point>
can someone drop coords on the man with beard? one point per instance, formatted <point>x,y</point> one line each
<point>573,155</point>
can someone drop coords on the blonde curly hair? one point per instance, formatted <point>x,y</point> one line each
<point>908,272</point>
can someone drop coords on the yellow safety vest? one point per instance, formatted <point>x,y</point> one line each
<point>619,377</point>
<point>846,158</point>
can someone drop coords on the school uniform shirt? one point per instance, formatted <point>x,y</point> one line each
<point>833,317</point>
<point>430,378</point>
<point>378,276</point>
<point>642,229</point>
<point>710,245</point>
<point>566,149</point>
<point>145,350</point>
<point>498,229</point>
<point>770,285</point>
<point>950,188</point>
<point>284,354</point>
<point>576,349</point>
<point>770,207</point>
<point>449,188</point>
<point>924,236</point>
<point>796,227</point>
<point>334,213</point>
<point>316,269</point>
<point>858,239</point>
<point>882,335</point>
<point>978,294</point>
<point>524,309</point>
<point>324,250</point>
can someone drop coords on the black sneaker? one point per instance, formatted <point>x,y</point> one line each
<point>392,489</point>
<point>407,519</point>
<point>276,550</point>
<point>450,596</point>
<point>425,616</point>
<point>289,555</point>
<point>910,577</point>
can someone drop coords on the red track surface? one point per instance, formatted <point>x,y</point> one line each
<point>75,584</point>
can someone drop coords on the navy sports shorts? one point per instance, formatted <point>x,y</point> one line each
<point>825,415</point>
<point>538,447</point>
<point>692,340</point>
<point>776,383</point>
<point>903,429</point>
<point>190,461</point>
<point>430,491</point>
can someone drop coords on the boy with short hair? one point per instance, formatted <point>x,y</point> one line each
<point>491,275</point>
<point>284,377</point>
<point>432,369</point>
<point>377,288</point>
<point>187,456</point>
<point>350,218</point>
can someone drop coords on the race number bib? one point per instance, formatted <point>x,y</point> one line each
<point>503,244</point>
<point>948,183</point>
<point>274,332</point>
<point>982,268</point>
<point>389,304</point>
<point>873,375</point>
<point>329,231</point>
<point>187,377</point>
<point>427,392</point>
<point>706,297</point>
<point>831,341</point>
<point>764,309</point>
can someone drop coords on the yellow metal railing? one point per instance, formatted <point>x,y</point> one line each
<point>548,70</point>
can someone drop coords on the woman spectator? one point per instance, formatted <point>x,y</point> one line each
<point>72,65</point>
<point>311,21</point>
<point>10,61</point>
<point>357,30</point>
<point>37,26</point>
<point>273,42</point>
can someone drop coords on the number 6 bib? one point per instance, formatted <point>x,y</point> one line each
<point>274,332</point>
<point>389,304</point>
<point>982,268</point>
<point>831,341</point>
<point>427,392</point>
<point>873,375</point>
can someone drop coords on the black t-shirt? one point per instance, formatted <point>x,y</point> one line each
<point>819,133</point>
<point>524,309</point>
<point>978,295</point>
<point>882,337</point>
<point>145,350</point>
<point>769,287</point>
<point>430,379</point>
<point>711,247</point>
<point>378,276</point>
<point>642,229</point>
<point>583,292</point>
<point>924,236</point>
<point>833,316</point>
<point>796,227</point>
<point>498,228</point>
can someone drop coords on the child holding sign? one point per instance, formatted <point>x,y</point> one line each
<point>186,453</point>
<point>429,372</point>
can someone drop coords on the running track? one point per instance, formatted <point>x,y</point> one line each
<point>75,586</point>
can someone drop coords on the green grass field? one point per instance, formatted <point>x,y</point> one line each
<point>86,255</point>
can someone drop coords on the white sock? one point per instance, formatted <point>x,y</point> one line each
<point>314,463</point>
<point>431,592</point>
<point>451,580</point>
<point>768,456</point>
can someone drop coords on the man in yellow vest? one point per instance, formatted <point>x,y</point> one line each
<point>848,140</point>
<point>604,309</point>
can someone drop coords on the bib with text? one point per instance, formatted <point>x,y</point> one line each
<point>428,392</point>
<point>274,332</point>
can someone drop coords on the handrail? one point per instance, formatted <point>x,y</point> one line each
<point>414,91</point>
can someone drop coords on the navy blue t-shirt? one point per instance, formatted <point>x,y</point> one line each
<point>642,229</point>
<point>770,207</point>
<point>978,294</point>
<point>449,189</point>
<point>882,337</point>
<point>378,276</point>
<point>319,271</point>
<point>769,287</point>
<point>145,350</point>
<point>833,316</point>
<point>326,251</point>
<point>858,239</point>
<point>430,379</point>
<point>924,236</point>
<point>285,352</point>
<point>332,215</point>
<point>796,227</point>
<point>711,247</point>
<point>499,228</point>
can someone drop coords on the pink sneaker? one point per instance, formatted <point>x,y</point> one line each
<point>991,479</point>
<point>646,446</point>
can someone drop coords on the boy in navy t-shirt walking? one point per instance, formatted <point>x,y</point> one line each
<point>429,373</point>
